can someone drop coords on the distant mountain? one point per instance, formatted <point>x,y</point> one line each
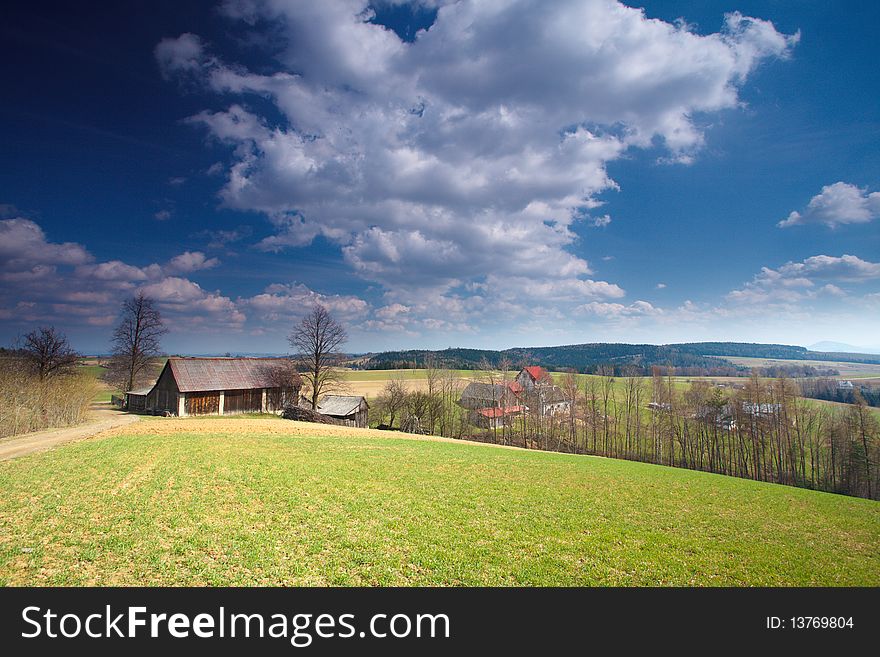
<point>693,358</point>
<point>841,346</point>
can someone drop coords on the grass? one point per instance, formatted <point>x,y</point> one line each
<point>97,373</point>
<point>271,502</point>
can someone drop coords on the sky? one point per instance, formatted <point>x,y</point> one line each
<point>477,174</point>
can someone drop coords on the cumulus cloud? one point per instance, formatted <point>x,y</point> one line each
<point>619,310</point>
<point>23,244</point>
<point>840,203</point>
<point>190,261</point>
<point>794,282</point>
<point>455,160</point>
<point>290,301</point>
<point>61,282</point>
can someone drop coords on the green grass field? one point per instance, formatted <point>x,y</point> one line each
<point>271,502</point>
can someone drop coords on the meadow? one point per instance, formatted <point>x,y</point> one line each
<point>243,501</point>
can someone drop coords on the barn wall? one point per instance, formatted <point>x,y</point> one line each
<point>164,395</point>
<point>202,403</point>
<point>136,402</point>
<point>243,401</point>
<point>278,398</point>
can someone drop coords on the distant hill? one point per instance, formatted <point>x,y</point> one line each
<point>689,358</point>
<point>843,347</point>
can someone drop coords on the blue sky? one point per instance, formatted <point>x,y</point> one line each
<point>443,173</point>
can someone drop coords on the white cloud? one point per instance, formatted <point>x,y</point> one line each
<point>23,244</point>
<point>61,283</point>
<point>456,160</point>
<point>840,203</point>
<point>661,286</point>
<point>796,282</point>
<point>618,310</point>
<point>190,261</point>
<point>282,302</point>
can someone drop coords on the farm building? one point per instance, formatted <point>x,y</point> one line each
<point>136,400</point>
<point>494,418</point>
<point>350,410</point>
<point>495,404</point>
<point>531,377</point>
<point>539,390</point>
<point>488,395</point>
<point>219,386</point>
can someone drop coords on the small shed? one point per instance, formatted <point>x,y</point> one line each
<point>349,410</point>
<point>136,400</point>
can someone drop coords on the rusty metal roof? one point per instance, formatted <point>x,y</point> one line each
<point>200,374</point>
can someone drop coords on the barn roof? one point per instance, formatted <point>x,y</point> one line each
<point>139,391</point>
<point>200,374</point>
<point>340,405</point>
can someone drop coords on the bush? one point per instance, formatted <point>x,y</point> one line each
<point>28,404</point>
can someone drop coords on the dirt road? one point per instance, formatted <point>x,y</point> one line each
<point>102,417</point>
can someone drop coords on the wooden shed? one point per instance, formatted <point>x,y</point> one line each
<point>349,410</point>
<point>136,400</point>
<point>222,386</point>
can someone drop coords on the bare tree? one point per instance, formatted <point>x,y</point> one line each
<point>48,353</point>
<point>136,340</point>
<point>392,400</point>
<point>317,340</point>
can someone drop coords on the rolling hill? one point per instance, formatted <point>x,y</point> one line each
<point>221,501</point>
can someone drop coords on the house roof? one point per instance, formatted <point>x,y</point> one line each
<point>199,374</point>
<point>340,404</point>
<point>499,412</point>
<point>536,372</point>
<point>478,390</point>
<point>515,387</point>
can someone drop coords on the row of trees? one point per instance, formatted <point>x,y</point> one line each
<point>764,431</point>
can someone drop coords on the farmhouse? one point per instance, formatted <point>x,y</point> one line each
<point>219,386</point>
<point>495,404</point>
<point>539,390</point>
<point>349,410</point>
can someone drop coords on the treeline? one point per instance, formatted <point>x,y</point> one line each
<point>689,359</point>
<point>763,431</point>
<point>584,358</point>
<point>830,390</point>
<point>40,386</point>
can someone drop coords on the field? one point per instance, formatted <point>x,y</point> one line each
<point>847,370</point>
<point>269,502</point>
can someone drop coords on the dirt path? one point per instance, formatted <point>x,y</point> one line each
<point>102,417</point>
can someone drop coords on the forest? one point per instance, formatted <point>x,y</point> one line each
<point>689,359</point>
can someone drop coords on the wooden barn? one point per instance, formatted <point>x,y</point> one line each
<point>219,386</point>
<point>349,410</point>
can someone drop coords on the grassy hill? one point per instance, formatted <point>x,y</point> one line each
<point>271,502</point>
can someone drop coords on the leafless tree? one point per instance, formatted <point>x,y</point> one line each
<point>317,341</point>
<point>48,353</point>
<point>136,340</point>
<point>392,400</point>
